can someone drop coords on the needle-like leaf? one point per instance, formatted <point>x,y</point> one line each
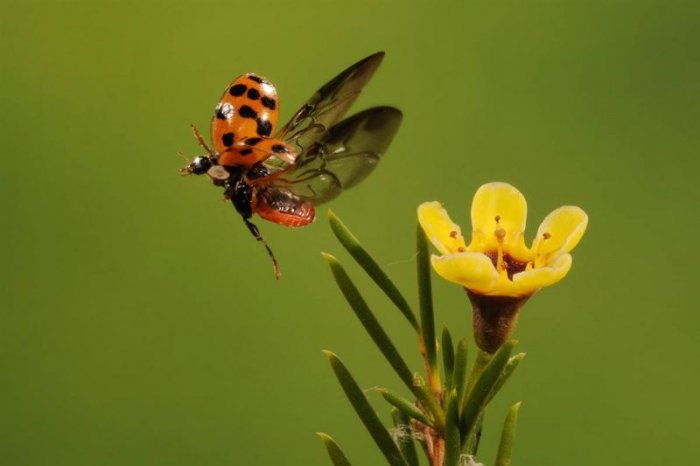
<point>513,363</point>
<point>381,339</point>
<point>480,362</point>
<point>452,435</point>
<point>472,444</point>
<point>367,262</point>
<point>448,357</point>
<point>405,406</point>
<point>337,456</point>
<point>364,410</point>
<point>476,399</point>
<point>505,449</point>
<point>459,377</point>
<point>369,321</point>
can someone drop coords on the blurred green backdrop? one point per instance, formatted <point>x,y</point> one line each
<point>140,323</point>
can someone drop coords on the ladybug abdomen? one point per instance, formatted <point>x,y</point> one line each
<point>248,108</point>
<point>282,207</point>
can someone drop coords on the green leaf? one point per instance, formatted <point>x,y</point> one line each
<point>381,339</point>
<point>363,409</point>
<point>476,399</point>
<point>507,372</point>
<point>505,449</point>
<point>480,362</point>
<point>430,403</point>
<point>452,435</point>
<point>369,321</point>
<point>406,407</point>
<point>334,451</point>
<point>472,444</point>
<point>460,372</point>
<point>425,297</point>
<point>404,437</point>
<point>358,252</point>
<point>448,357</point>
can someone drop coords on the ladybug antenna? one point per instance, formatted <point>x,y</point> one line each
<point>186,170</point>
<point>256,233</point>
<point>201,140</point>
<point>184,157</point>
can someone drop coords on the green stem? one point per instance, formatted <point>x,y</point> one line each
<point>427,317</point>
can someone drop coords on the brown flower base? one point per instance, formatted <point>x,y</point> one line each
<point>494,319</point>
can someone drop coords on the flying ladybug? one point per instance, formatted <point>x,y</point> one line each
<point>282,175</point>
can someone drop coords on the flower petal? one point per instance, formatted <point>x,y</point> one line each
<point>440,230</point>
<point>502,201</point>
<point>472,270</point>
<point>564,227</point>
<point>526,283</point>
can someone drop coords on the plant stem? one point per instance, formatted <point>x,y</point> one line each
<point>428,341</point>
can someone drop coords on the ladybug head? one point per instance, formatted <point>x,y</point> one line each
<point>199,166</point>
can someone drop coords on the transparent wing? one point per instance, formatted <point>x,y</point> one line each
<point>329,104</point>
<point>342,157</point>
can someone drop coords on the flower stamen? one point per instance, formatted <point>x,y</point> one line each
<point>500,234</point>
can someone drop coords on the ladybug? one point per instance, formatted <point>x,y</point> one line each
<point>282,176</point>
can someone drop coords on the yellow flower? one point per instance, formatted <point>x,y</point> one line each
<point>497,269</point>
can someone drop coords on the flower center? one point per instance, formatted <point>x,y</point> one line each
<point>504,262</point>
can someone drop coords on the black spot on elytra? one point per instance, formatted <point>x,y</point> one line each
<point>245,152</point>
<point>253,94</point>
<point>247,112</point>
<point>237,90</point>
<point>227,139</point>
<point>280,149</point>
<point>268,102</point>
<point>257,79</point>
<point>252,141</point>
<point>264,127</point>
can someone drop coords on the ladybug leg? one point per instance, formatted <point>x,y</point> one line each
<point>201,141</point>
<point>241,195</point>
<point>256,233</point>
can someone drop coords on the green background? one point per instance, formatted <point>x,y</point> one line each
<point>140,324</point>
